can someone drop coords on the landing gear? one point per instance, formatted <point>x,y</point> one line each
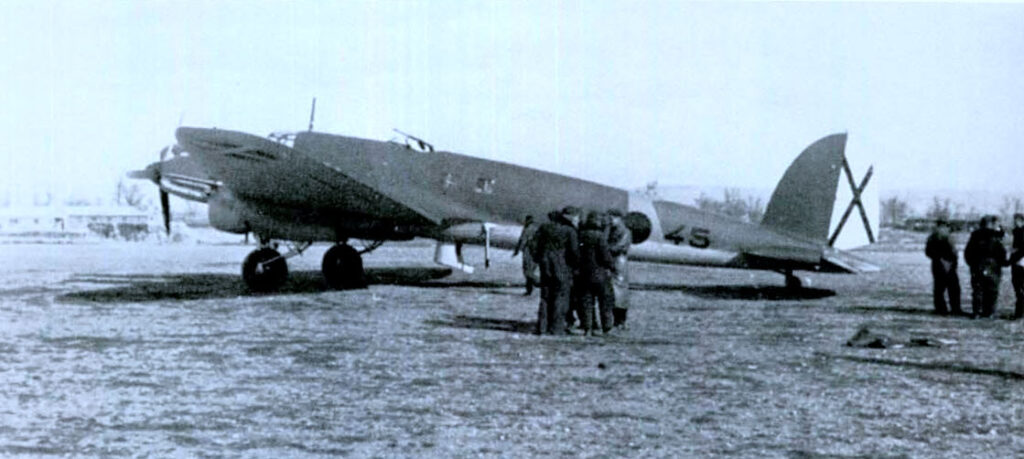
<point>793,282</point>
<point>264,270</point>
<point>343,268</point>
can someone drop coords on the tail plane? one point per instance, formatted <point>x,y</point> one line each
<point>802,202</point>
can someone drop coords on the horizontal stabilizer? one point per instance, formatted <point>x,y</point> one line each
<point>845,262</point>
<point>785,253</point>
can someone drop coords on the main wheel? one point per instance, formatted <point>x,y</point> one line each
<point>261,276</point>
<point>793,282</point>
<point>343,268</point>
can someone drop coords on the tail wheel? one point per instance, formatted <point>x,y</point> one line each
<point>343,268</point>
<point>261,276</point>
<point>793,282</point>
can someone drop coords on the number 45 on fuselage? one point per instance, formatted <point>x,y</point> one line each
<point>310,187</point>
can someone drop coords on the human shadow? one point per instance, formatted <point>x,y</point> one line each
<point>892,310</point>
<point>739,292</point>
<point>486,323</point>
<point>139,288</point>
<point>937,366</point>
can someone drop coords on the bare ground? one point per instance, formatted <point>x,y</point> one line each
<point>131,349</point>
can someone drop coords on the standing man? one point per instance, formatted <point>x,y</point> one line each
<point>942,250</point>
<point>557,252</point>
<point>525,245</point>
<point>592,284</point>
<point>1016,269</point>
<point>619,239</point>
<point>986,256</point>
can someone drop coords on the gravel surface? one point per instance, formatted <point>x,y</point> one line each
<point>137,349</point>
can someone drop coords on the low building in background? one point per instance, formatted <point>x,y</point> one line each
<point>65,222</point>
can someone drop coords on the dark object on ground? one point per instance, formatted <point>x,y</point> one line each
<point>867,338</point>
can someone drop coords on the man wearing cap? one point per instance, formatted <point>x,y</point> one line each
<point>986,256</point>
<point>942,250</point>
<point>556,252</point>
<point>1016,268</point>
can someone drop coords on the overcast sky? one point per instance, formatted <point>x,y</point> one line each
<point>618,92</point>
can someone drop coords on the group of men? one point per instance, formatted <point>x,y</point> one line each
<point>577,260</point>
<point>986,256</point>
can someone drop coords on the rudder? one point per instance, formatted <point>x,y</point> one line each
<point>803,200</point>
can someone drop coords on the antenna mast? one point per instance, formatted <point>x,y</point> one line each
<point>312,113</point>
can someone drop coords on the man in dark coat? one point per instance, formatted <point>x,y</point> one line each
<point>1016,267</point>
<point>986,256</point>
<point>556,252</point>
<point>942,251</point>
<point>595,267</point>
<point>531,272</point>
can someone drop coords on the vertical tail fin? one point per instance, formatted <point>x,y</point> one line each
<point>802,202</point>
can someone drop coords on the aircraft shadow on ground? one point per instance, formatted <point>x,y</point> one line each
<point>486,323</point>
<point>938,366</point>
<point>195,286</point>
<point>739,292</point>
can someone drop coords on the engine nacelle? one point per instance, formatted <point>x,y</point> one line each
<point>639,226</point>
<point>226,213</point>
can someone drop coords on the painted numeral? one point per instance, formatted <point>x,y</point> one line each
<point>697,237</point>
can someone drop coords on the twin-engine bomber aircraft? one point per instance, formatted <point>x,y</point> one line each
<point>307,187</point>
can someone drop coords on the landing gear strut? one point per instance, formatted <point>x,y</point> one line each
<point>343,268</point>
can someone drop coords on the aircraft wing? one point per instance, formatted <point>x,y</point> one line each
<point>266,172</point>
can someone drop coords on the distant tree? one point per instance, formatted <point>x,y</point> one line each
<point>1011,205</point>
<point>940,208</point>
<point>129,195</point>
<point>733,204</point>
<point>755,209</point>
<point>894,211</point>
<point>651,190</point>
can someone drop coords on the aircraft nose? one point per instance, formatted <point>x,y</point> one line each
<point>151,172</point>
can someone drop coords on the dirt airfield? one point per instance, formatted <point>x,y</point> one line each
<point>140,349</point>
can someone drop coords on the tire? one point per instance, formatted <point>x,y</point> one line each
<point>794,283</point>
<point>271,277</point>
<point>343,268</point>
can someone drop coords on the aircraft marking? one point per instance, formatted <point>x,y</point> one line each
<point>698,238</point>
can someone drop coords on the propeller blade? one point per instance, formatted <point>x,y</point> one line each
<point>165,208</point>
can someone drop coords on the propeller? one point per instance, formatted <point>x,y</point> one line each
<point>165,198</point>
<point>165,209</point>
<point>152,172</point>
